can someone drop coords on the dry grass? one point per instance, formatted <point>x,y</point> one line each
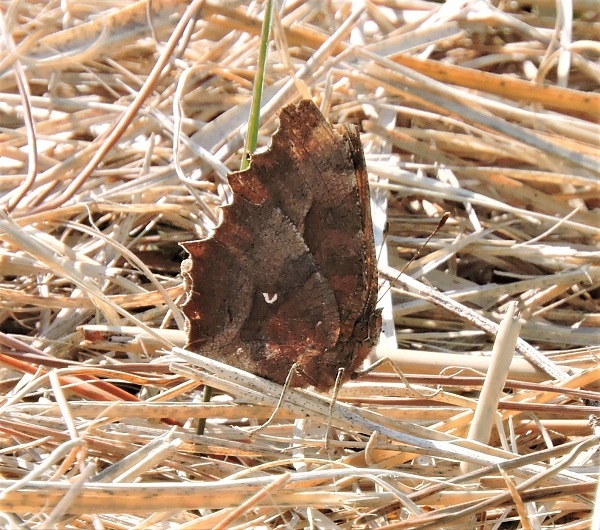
<point>115,140</point>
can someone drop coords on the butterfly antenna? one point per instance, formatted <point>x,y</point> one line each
<point>416,255</point>
<point>386,229</point>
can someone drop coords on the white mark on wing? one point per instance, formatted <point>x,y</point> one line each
<point>270,298</point>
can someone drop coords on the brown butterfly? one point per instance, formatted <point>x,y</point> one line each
<point>290,275</point>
